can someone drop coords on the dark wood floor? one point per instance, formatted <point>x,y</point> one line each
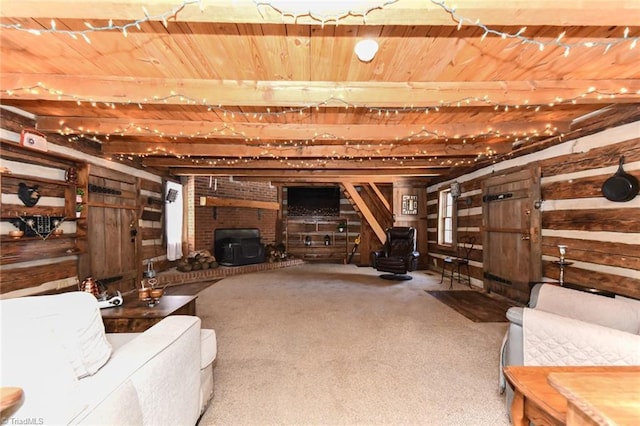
<point>476,305</point>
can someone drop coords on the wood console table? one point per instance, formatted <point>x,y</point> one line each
<point>592,392</point>
<point>135,316</point>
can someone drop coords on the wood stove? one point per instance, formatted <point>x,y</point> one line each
<point>238,246</point>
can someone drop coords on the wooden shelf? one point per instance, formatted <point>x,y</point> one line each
<point>305,239</point>
<point>28,248</point>
<point>51,188</point>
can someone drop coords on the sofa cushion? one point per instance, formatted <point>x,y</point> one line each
<point>33,359</point>
<point>82,333</point>
<point>605,311</point>
<point>75,321</point>
<point>550,339</point>
<point>208,347</point>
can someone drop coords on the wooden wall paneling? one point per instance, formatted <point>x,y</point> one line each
<point>613,220</point>
<point>279,231</point>
<point>14,152</point>
<point>403,188</point>
<point>32,276</point>
<point>151,215</point>
<point>605,156</point>
<point>362,207</point>
<point>150,227</point>
<point>602,280</point>
<point>422,227</point>
<point>52,190</point>
<point>151,251</point>
<point>596,252</point>
<point>535,221</point>
<point>54,187</point>
<point>599,234</point>
<point>354,221</point>
<point>466,219</point>
<point>608,265</point>
<point>368,239</point>
<point>82,224</point>
<point>140,230</point>
<point>148,185</point>
<point>151,233</point>
<point>587,187</point>
<point>468,222</point>
<point>46,171</point>
<point>23,250</point>
<point>378,207</point>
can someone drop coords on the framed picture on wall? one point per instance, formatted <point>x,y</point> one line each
<point>410,204</point>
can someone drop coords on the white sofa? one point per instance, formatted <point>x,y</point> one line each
<point>72,372</point>
<point>562,326</point>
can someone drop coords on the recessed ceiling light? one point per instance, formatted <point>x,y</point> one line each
<point>366,49</point>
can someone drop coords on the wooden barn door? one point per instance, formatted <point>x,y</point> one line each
<point>511,233</point>
<point>111,217</point>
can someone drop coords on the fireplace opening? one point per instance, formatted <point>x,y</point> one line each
<point>313,201</point>
<point>238,246</point>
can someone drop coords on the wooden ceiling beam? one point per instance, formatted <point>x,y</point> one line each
<point>308,179</point>
<point>146,90</point>
<point>379,164</point>
<point>398,150</point>
<point>262,132</point>
<point>430,165</point>
<point>297,173</point>
<point>406,12</point>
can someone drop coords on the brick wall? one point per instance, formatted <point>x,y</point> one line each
<point>201,237</point>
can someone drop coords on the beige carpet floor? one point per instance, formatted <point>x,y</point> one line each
<point>335,345</point>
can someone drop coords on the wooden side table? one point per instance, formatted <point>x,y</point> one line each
<point>135,316</point>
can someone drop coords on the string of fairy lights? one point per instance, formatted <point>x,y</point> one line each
<point>333,18</point>
<point>380,112</point>
<point>286,11</point>
<point>304,10</point>
<point>227,129</point>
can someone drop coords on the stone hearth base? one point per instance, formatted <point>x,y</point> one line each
<point>173,277</point>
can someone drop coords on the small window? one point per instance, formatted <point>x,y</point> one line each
<point>445,218</point>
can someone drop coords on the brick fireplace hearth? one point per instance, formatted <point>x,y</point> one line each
<point>173,277</point>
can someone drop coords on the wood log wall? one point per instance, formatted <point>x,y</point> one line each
<point>347,212</point>
<point>33,265</point>
<point>603,237</point>
<point>37,263</point>
<point>150,225</point>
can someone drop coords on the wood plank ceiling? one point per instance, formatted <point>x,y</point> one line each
<point>272,89</point>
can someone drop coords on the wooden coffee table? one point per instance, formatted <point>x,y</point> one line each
<point>135,316</point>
